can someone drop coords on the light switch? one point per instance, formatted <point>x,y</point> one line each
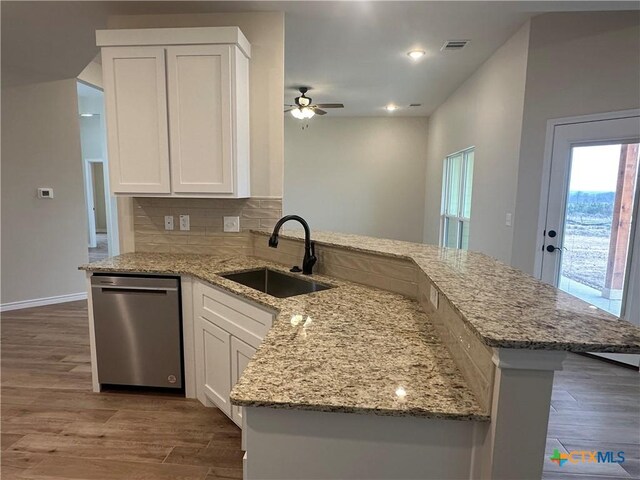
<point>231,224</point>
<point>508,220</point>
<point>184,222</point>
<point>168,222</point>
<point>45,192</point>
<point>433,296</point>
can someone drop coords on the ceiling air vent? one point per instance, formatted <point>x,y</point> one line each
<point>415,105</point>
<point>453,45</point>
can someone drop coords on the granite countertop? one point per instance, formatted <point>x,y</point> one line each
<point>503,306</point>
<point>350,348</point>
<point>362,350</point>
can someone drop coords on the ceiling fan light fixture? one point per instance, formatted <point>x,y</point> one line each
<point>303,101</point>
<point>297,113</point>
<point>416,54</point>
<point>302,113</point>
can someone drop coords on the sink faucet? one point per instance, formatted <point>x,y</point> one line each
<point>309,259</point>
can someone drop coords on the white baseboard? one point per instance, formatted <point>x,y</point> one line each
<point>39,302</point>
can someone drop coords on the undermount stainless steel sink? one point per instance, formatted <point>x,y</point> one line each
<point>275,283</point>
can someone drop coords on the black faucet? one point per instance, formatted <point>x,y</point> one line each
<point>309,259</point>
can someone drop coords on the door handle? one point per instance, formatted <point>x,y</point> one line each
<point>552,248</point>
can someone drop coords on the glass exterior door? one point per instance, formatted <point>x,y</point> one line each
<point>590,235</point>
<point>597,231</point>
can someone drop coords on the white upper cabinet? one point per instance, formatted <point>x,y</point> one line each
<point>136,112</point>
<point>177,111</point>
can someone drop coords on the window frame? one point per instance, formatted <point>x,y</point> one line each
<point>446,218</point>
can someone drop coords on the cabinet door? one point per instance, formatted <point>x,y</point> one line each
<point>241,353</point>
<point>200,118</point>
<point>136,113</point>
<point>213,368</point>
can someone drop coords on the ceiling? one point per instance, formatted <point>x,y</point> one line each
<point>349,52</point>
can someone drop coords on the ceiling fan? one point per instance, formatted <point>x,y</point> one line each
<point>303,108</point>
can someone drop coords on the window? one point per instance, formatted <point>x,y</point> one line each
<point>457,179</point>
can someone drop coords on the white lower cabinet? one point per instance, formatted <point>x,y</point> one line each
<point>241,353</point>
<point>213,348</point>
<point>228,331</point>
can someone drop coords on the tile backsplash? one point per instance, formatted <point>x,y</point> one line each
<point>206,221</point>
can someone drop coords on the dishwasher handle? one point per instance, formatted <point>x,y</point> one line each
<point>120,289</point>
<point>133,283</point>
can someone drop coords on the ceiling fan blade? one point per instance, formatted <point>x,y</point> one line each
<point>330,105</point>
<point>288,110</point>
<point>318,111</point>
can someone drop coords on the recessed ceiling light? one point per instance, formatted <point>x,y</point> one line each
<point>391,107</point>
<point>416,54</point>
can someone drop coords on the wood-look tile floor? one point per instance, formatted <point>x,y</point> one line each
<point>101,250</point>
<point>594,406</point>
<point>54,427</point>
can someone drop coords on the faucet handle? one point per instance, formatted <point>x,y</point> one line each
<point>295,269</point>
<point>310,261</point>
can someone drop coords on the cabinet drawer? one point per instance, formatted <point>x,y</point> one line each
<point>241,319</point>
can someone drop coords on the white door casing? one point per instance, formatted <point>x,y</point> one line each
<point>90,201</point>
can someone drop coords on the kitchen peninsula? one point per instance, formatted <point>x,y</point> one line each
<point>418,362</point>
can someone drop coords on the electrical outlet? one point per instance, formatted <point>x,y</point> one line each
<point>45,192</point>
<point>508,220</point>
<point>433,296</point>
<point>168,222</point>
<point>184,222</point>
<point>231,224</point>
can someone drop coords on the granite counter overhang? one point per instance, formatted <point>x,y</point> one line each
<point>504,307</point>
<point>351,349</point>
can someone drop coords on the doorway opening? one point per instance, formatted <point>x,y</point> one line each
<point>102,233</point>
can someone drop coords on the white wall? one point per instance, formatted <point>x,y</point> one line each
<point>92,74</point>
<point>265,32</point>
<point>579,63</point>
<point>43,241</point>
<point>362,175</point>
<point>91,137</point>
<point>485,112</point>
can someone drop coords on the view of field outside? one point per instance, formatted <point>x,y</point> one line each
<point>587,234</point>
<point>589,215</point>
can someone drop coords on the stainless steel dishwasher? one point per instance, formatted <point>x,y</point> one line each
<point>138,330</point>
